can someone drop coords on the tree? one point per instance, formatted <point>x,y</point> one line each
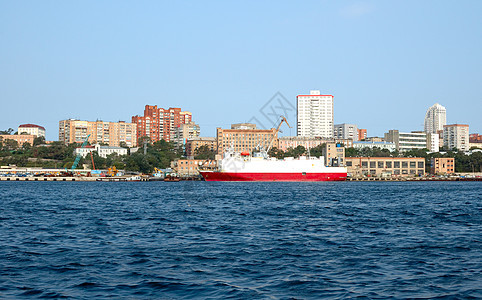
<point>40,140</point>
<point>275,152</point>
<point>6,132</point>
<point>317,151</point>
<point>204,152</point>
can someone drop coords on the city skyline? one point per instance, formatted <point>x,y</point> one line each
<point>106,61</point>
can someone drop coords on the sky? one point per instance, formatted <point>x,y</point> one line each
<point>385,62</point>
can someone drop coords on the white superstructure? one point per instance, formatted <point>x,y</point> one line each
<point>435,119</point>
<point>235,163</point>
<point>315,115</point>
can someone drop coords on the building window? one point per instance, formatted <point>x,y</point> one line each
<point>404,171</point>
<point>404,164</point>
<point>396,164</point>
<point>364,164</point>
<point>389,164</point>
<point>420,164</point>
<point>380,164</point>
<point>348,163</point>
<point>372,164</point>
<point>412,164</point>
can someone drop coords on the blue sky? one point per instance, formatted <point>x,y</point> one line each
<point>385,62</point>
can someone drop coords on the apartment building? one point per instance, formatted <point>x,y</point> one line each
<point>405,141</point>
<point>185,132</point>
<point>456,136</point>
<point>346,131</point>
<point>435,118</point>
<point>362,134</point>
<point>315,115</point>
<point>110,133</point>
<point>245,138</point>
<point>159,123</point>
<point>385,166</point>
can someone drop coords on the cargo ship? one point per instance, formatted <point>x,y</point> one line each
<point>258,166</point>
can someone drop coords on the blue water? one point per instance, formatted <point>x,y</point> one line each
<point>240,240</point>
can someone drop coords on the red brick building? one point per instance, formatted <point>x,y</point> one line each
<point>159,123</point>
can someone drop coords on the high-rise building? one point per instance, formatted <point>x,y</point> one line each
<point>433,142</point>
<point>315,115</point>
<point>362,134</point>
<point>185,132</point>
<point>405,141</point>
<point>435,118</point>
<point>159,123</point>
<point>346,131</point>
<point>110,133</point>
<point>456,136</point>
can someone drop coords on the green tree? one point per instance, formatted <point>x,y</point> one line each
<point>317,151</point>
<point>40,140</point>
<point>204,152</point>
<point>6,132</point>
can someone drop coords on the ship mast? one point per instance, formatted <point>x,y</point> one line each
<point>283,119</point>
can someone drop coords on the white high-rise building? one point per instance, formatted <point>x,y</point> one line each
<point>315,115</point>
<point>435,119</point>
<point>346,131</point>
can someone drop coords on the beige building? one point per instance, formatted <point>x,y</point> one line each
<point>456,136</point>
<point>245,137</point>
<point>385,166</point>
<point>185,132</point>
<point>442,165</point>
<point>190,167</point>
<point>194,143</point>
<point>19,138</point>
<point>286,142</point>
<point>334,154</point>
<point>32,129</point>
<point>110,133</point>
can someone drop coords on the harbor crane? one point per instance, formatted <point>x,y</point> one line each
<point>283,119</point>
<point>77,158</point>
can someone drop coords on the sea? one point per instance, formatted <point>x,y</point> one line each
<point>214,240</point>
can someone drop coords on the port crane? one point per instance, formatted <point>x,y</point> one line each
<point>77,158</point>
<point>283,119</point>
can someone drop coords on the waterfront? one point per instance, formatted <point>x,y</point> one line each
<point>241,240</point>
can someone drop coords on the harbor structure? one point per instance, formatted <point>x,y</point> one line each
<point>456,136</point>
<point>110,133</point>
<point>31,129</point>
<point>315,115</point>
<point>159,123</point>
<point>385,166</point>
<point>346,131</point>
<point>190,167</point>
<point>435,118</point>
<point>405,141</point>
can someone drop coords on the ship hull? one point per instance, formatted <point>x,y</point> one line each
<point>286,177</point>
